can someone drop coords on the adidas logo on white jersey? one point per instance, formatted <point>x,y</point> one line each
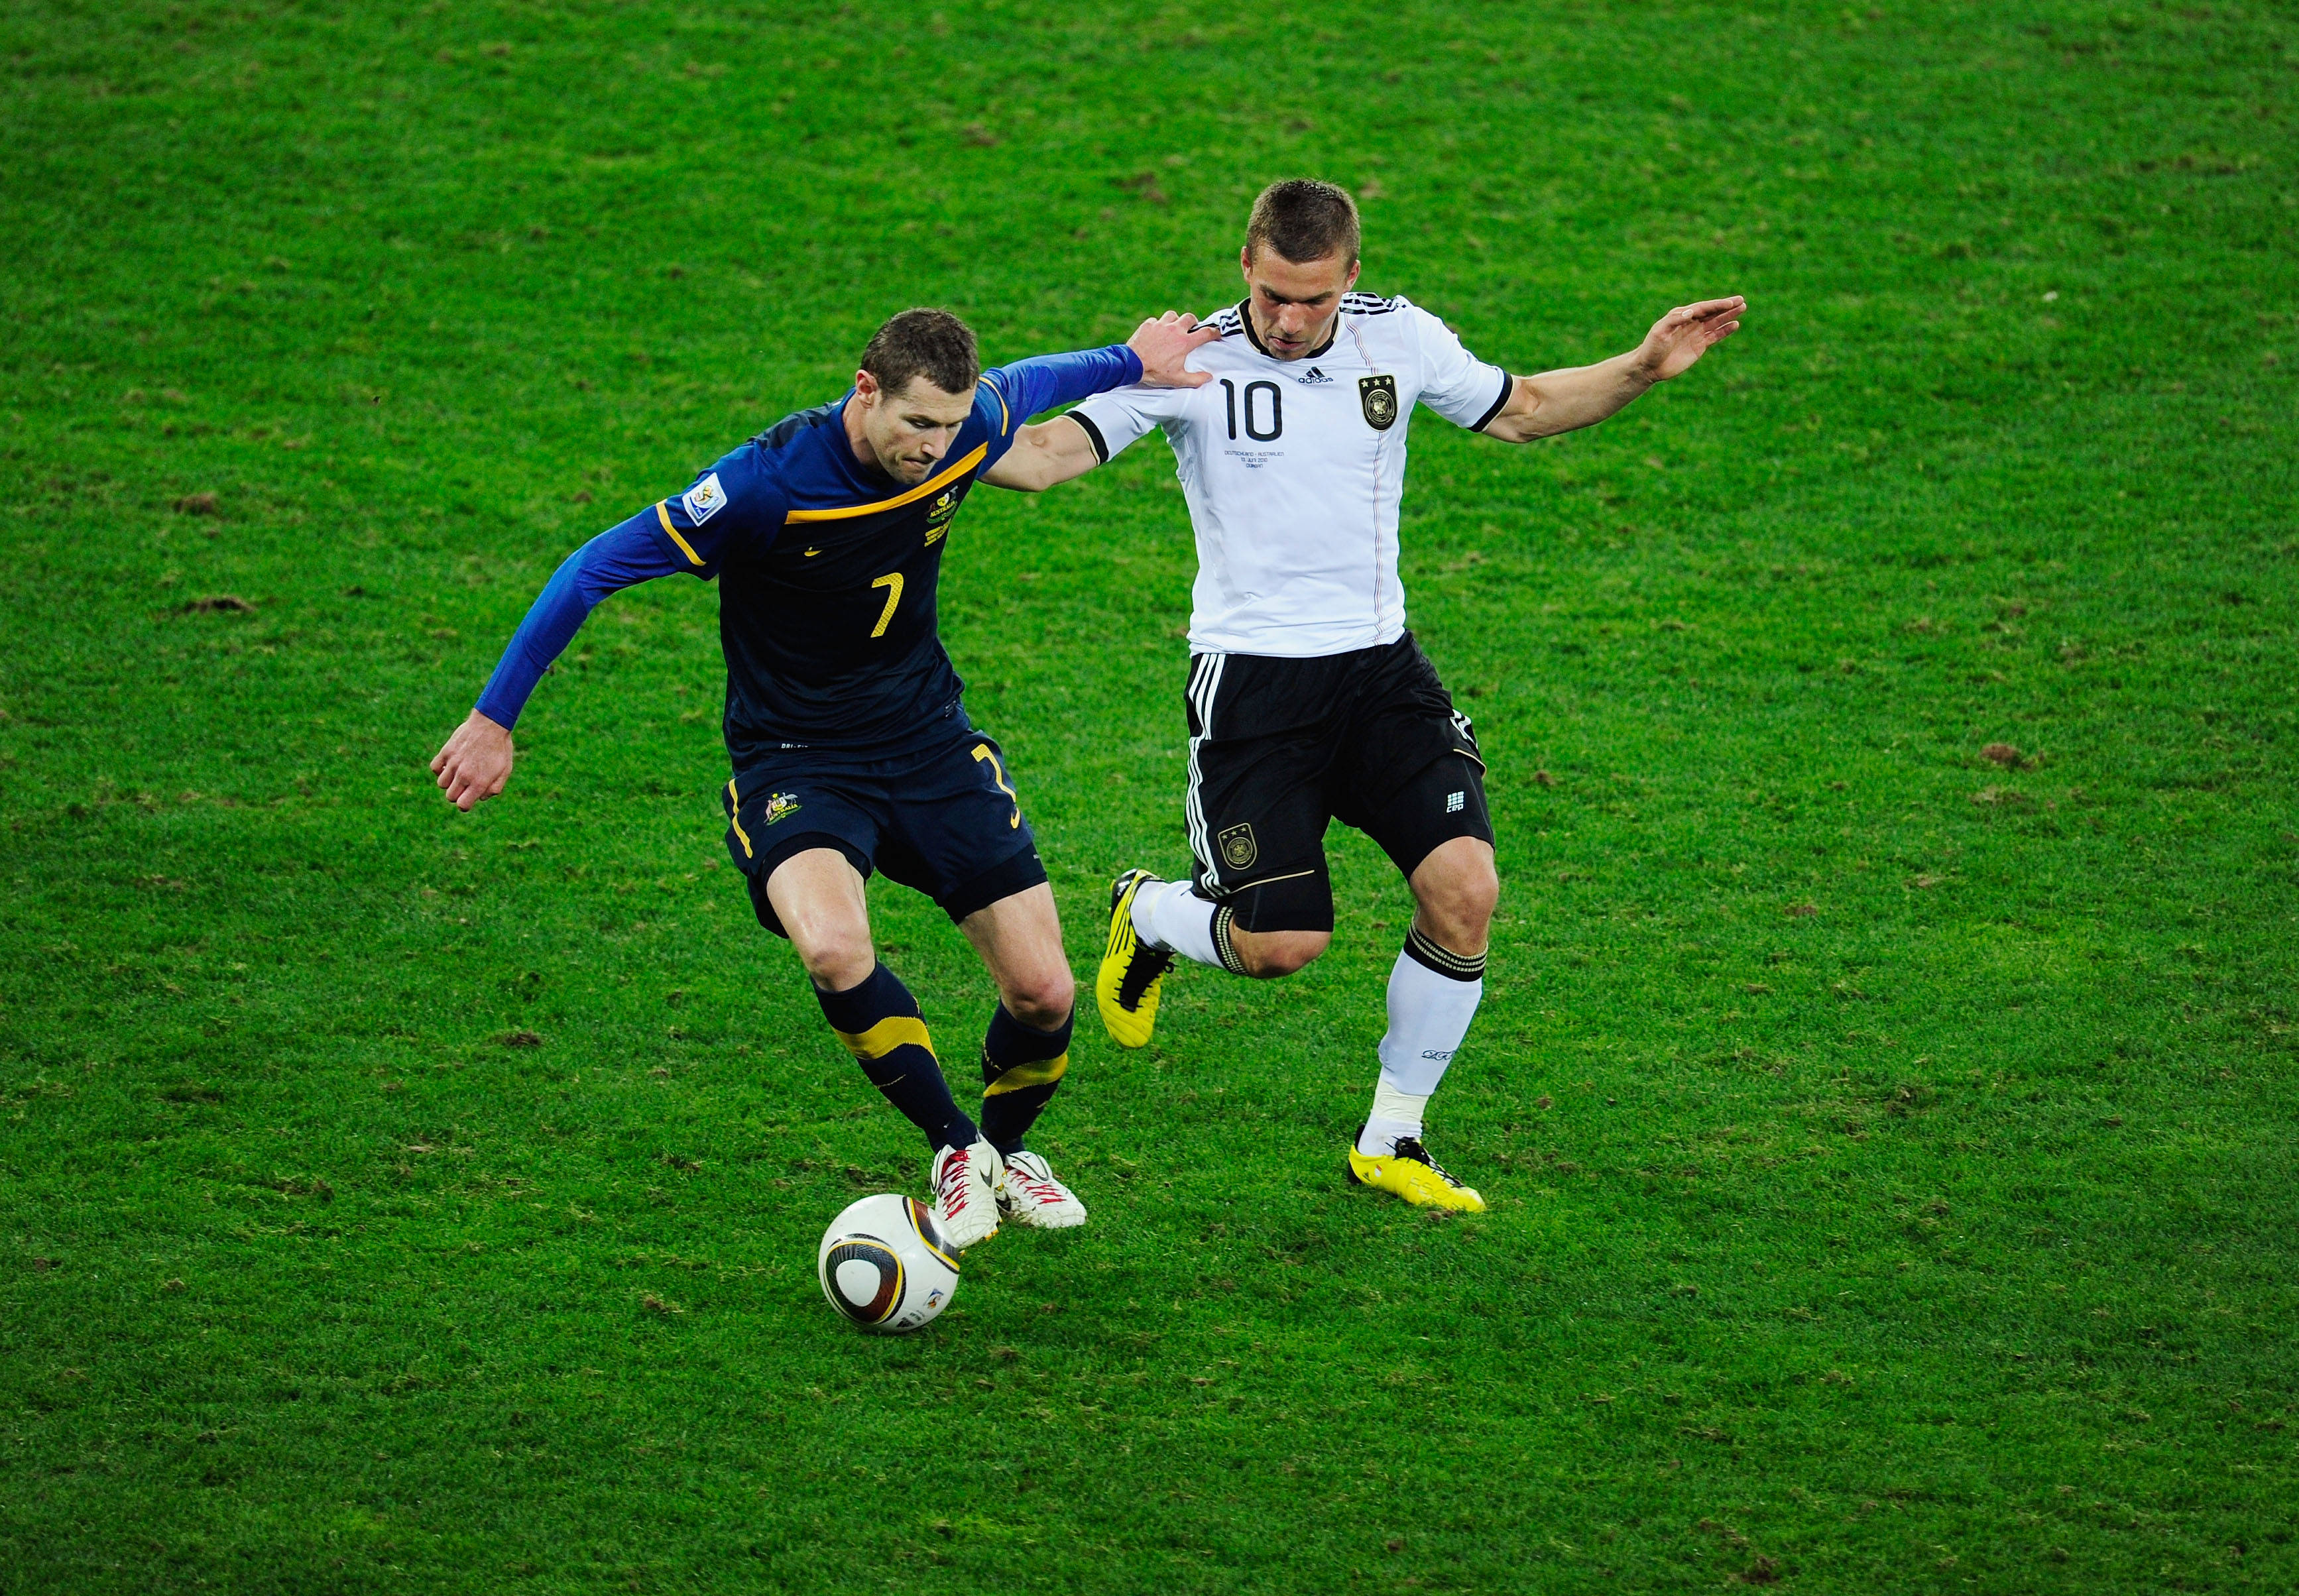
<point>1314,378</point>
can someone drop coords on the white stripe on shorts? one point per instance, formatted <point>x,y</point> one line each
<point>1204,688</point>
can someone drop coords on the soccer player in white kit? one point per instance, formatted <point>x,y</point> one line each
<point>1308,700</point>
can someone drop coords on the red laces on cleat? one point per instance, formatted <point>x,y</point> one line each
<point>954,1182</point>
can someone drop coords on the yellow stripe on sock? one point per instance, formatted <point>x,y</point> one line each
<point>898,1030</point>
<point>1043,1072</point>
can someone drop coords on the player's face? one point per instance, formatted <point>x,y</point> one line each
<point>1293,302</point>
<point>909,430</point>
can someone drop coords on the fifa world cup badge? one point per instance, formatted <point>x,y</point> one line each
<point>1378,394</point>
<point>1238,848</point>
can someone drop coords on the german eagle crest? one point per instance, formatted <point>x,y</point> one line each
<point>1238,848</point>
<point>1378,394</point>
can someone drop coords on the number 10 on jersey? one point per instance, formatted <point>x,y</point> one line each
<point>1252,406</point>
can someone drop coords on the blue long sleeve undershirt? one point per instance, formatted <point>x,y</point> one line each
<point>620,557</point>
<point>1044,382</point>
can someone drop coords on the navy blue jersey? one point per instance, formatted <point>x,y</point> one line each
<point>827,574</point>
<point>828,570</point>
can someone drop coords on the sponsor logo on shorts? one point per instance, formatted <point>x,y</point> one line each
<point>781,806</point>
<point>705,500</point>
<point>1239,851</point>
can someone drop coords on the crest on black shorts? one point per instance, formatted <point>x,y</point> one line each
<point>1378,394</point>
<point>1238,848</point>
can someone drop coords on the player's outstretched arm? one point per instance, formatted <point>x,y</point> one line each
<point>1051,451</point>
<point>1054,451</point>
<point>474,765</point>
<point>1578,396</point>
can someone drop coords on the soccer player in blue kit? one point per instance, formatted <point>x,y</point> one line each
<point>850,747</point>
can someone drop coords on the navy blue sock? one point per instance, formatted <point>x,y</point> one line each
<point>878,1021</point>
<point>1020,1069</point>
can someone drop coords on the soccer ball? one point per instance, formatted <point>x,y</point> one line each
<point>885,1265</point>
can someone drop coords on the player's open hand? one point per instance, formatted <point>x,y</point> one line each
<point>1686,333</point>
<point>476,762</point>
<point>1163,346</point>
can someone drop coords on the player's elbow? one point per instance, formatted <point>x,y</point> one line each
<point>1521,421</point>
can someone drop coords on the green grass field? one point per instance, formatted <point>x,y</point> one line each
<point>1890,1149</point>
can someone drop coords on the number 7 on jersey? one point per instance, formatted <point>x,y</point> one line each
<point>892,582</point>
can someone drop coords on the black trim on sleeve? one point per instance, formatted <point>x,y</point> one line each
<point>1509,386</point>
<point>1092,434</point>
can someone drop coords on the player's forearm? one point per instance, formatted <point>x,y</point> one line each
<point>615,559</point>
<point>1567,400</point>
<point>1051,452</point>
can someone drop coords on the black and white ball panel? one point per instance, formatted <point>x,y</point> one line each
<point>865,1279</point>
<point>885,1264</point>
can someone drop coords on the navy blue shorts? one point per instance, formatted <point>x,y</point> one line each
<point>942,820</point>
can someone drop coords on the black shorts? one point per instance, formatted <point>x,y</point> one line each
<point>1281,747</point>
<point>942,819</point>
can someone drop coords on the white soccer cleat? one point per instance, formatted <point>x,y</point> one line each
<point>965,1192</point>
<point>1030,1196</point>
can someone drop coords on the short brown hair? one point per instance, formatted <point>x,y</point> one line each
<point>1304,220</point>
<point>922,342</point>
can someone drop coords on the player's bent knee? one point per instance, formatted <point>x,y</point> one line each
<point>838,963</point>
<point>1462,925</point>
<point>835,947</point>
<point>1044,1004</point>
<point>1269,956</point>
<point>1041,1016</point>
<point>1457,890</point>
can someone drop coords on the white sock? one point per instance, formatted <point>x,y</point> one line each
<point>1395,1116</point>
<point>1167,915</point>
<point>1433,995</point>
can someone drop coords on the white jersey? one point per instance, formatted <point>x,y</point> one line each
<point>1294,469</point>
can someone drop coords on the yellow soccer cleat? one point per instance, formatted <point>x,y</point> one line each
<point>1413,1174</point>
<point>1131,970</point>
